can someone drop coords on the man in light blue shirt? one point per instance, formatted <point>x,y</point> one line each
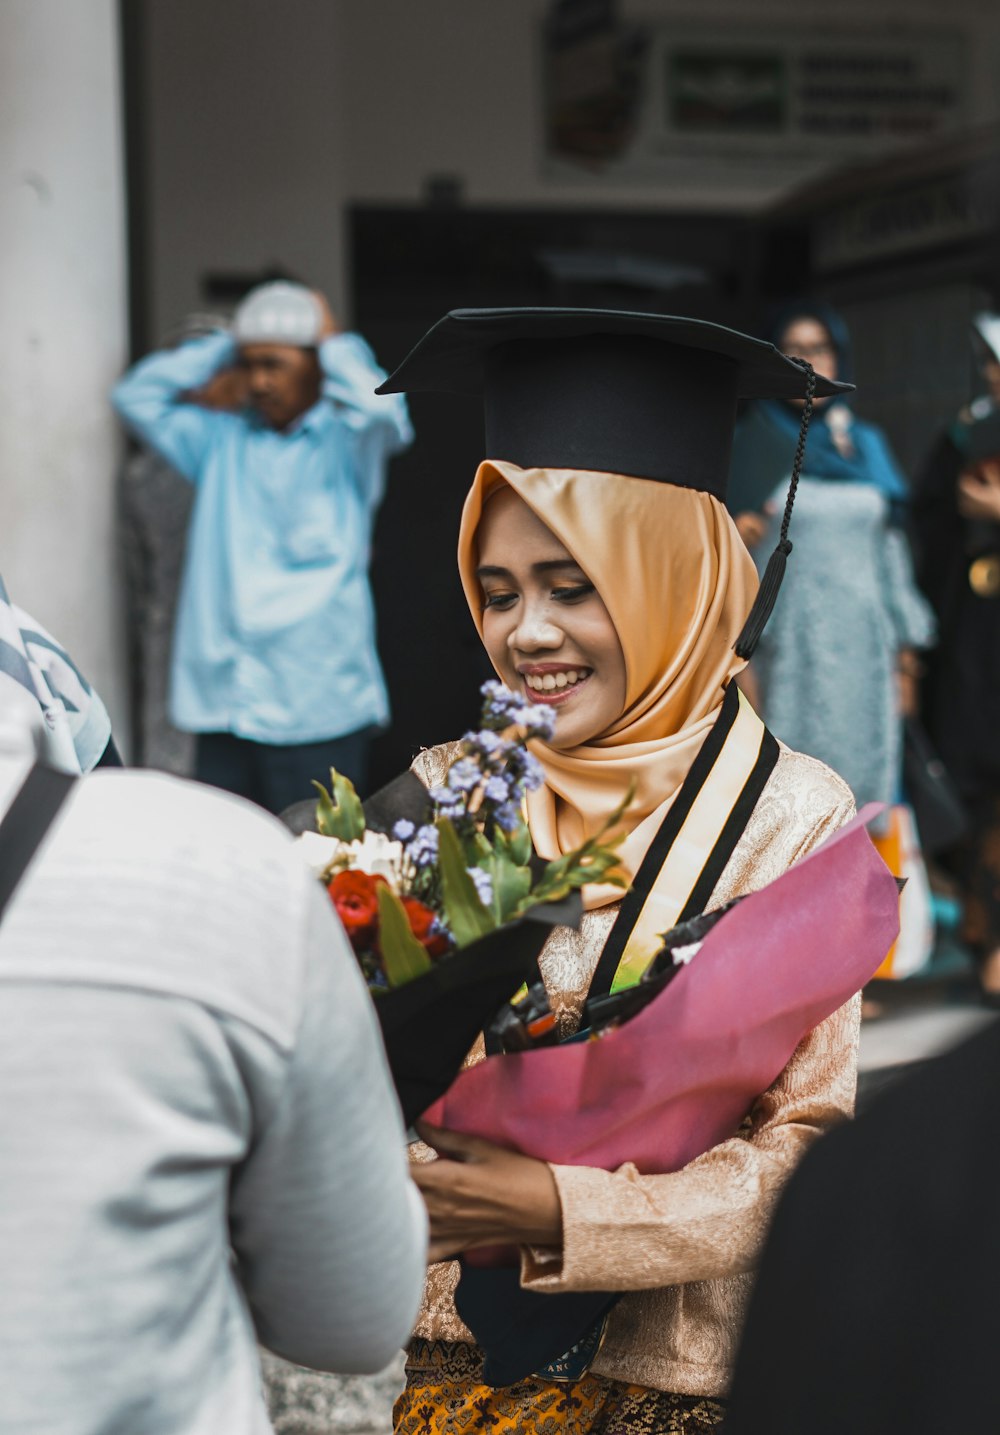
<point>274,663</point>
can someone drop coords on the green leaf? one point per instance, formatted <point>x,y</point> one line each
<point>340,815</point>
<point>554,886</point>
<point>478,848</point>
<point>519,845</point>
<point>466,917</point>
<point>511,884</point>
<point>595,860</point>
<point>403,956</point>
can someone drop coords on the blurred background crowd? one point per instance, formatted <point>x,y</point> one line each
<point>224,222</point>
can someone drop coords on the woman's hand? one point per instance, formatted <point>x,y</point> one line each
<point>979,492</point>
<point>751,527</point>
<point>909,671</point>
<point>478,1194</point>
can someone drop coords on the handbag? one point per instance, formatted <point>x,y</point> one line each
<point>940,814</point>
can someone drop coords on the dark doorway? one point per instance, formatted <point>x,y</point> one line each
<point>409,266</point>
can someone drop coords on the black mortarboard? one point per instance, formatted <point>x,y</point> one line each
<point>647,395</point>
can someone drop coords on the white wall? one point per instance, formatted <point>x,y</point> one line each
<point>62,325</point>
<point>245,119</point>
<point>266,119</point>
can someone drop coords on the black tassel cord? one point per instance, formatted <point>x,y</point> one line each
<point>767,593</point>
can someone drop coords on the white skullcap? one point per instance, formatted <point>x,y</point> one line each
<point>279,313</point>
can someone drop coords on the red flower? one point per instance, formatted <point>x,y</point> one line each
<point>421,920</point>
<point>355,896</point>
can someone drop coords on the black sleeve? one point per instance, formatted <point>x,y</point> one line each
<point>110,757</point>
<point>937,525</point>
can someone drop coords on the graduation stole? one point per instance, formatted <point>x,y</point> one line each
<point>695,841</point>
<point>519,1330</point>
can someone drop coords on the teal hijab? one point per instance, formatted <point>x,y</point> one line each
<point>765,439</point>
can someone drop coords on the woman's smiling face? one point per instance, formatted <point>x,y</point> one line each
<point>545,626</point>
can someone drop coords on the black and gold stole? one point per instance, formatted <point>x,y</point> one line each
<point>556,1337</point>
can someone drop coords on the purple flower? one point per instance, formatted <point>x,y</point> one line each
<point>483,885</point>
<point>403,830</point>
<point>499,704</point>
<point>464,775</point>
<point>497,789</point>
<point>486,742</point>
<point>423,848</point>
<point>503,708</point>
<point>521,762</point>
<point>537,720</point>
<point>533,774</point>
<point>445,798</point>
<point>508,817</point>
<point>497,695</point>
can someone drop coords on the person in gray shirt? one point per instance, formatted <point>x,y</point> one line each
<point>200,1146</point>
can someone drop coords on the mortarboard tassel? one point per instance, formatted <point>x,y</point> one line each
<point>767,593</point>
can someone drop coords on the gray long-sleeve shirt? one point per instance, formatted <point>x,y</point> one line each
<point>199,1145</point>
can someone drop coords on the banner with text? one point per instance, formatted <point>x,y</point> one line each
<point>744,105</point>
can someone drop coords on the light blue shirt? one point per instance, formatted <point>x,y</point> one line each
<point>275,632</point>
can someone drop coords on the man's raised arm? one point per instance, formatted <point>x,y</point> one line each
<point>150,400</point>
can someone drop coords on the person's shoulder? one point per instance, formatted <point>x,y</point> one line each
<point>214,883</point>
<point>219,842</point>
<point>808,799</point>
<point>432,763</point>
<point>821,787</point>
<point>803,802</point>
<point>873,434</point>
<point>178,813</point>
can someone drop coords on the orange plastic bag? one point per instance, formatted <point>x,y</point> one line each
<point>899,849</point>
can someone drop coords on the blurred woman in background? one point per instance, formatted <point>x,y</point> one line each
<point>838,664</point>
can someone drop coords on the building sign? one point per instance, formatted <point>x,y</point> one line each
<point>949,209</point>
<point>742,104</point>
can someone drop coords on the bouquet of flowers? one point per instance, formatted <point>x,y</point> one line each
<point>448,909</point>
<point>729,998</point>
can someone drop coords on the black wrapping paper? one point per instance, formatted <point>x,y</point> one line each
<point>430,1025</point>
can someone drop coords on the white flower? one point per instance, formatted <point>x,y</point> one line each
<point>319,853</point>
<point>379,856</point>
<point>683,955</point>
<point>375,853</point>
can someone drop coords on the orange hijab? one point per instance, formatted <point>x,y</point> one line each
<point>678,583</point>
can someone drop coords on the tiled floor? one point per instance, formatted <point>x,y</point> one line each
<point>310,1402</point>
<point>920,1018</point>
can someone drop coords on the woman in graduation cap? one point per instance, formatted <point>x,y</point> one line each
<point>607,579</point>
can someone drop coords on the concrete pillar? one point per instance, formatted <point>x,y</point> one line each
<point>62,325</point>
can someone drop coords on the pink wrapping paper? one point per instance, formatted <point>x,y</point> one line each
<point>679,1077</point>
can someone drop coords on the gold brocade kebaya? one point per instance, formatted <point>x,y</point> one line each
<point>678,583</point>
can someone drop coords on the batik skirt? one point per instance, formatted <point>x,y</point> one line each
<point>445,1395</point>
